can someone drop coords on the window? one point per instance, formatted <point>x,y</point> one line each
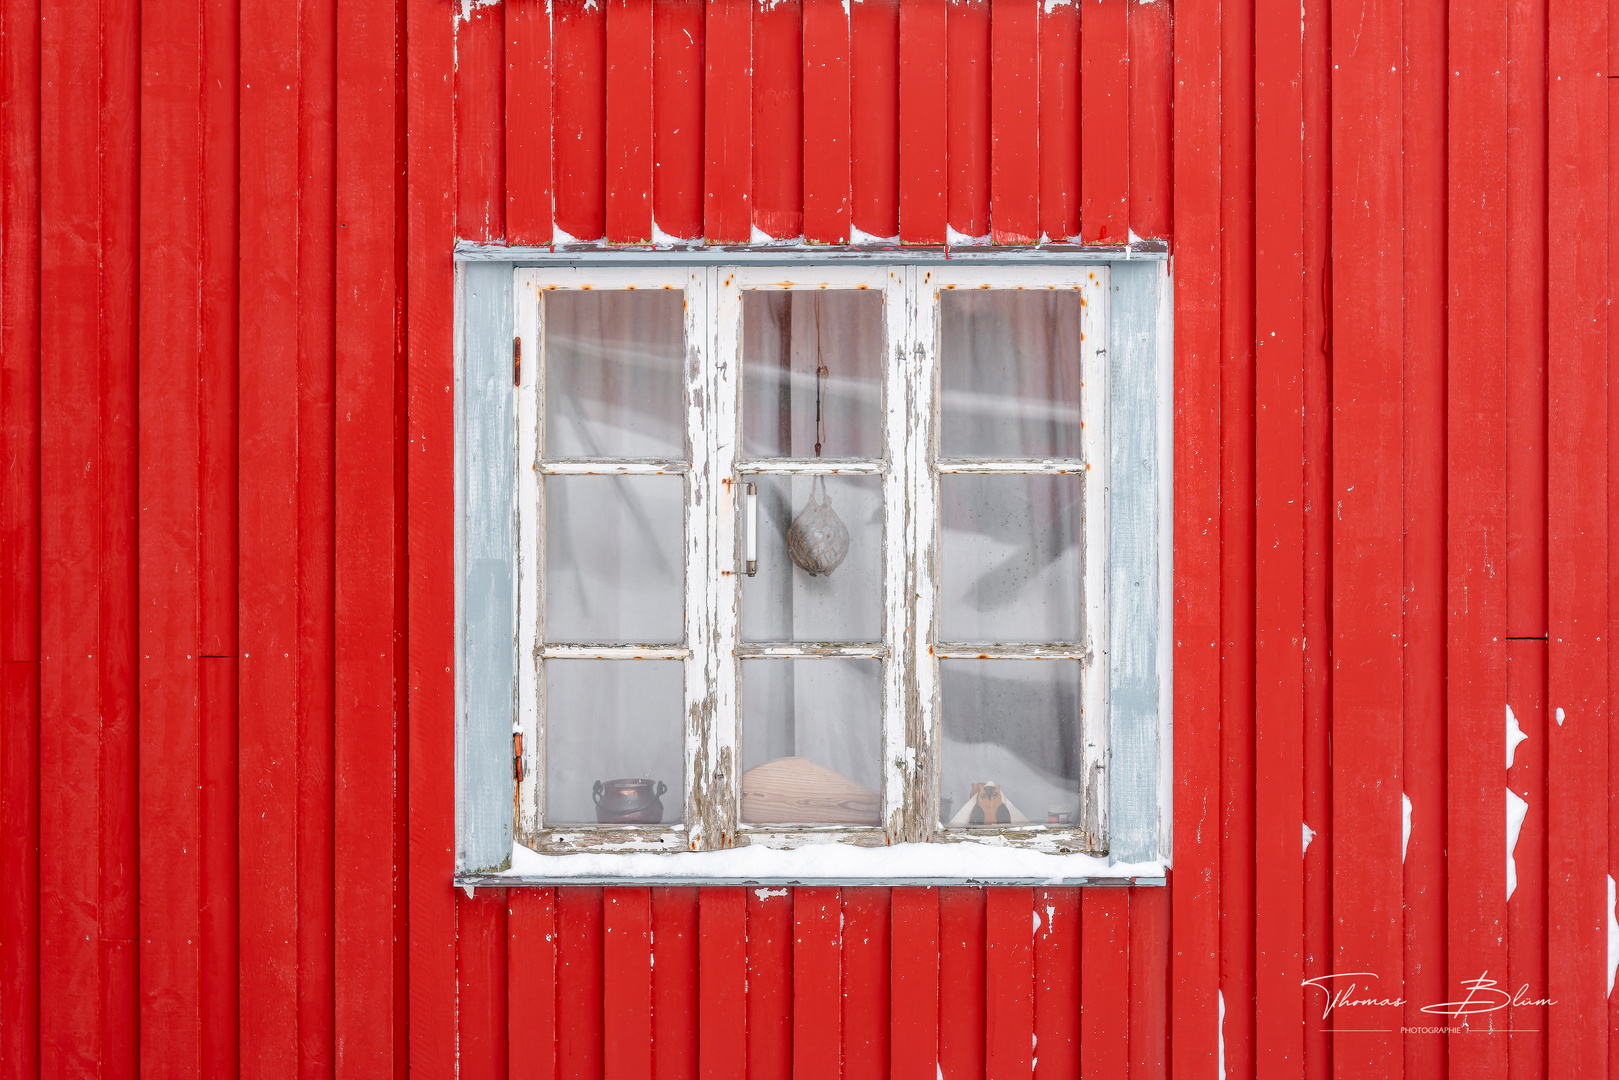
<point>812,552</point>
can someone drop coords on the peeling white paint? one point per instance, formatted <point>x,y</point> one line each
<point>1613,937</point>
<point>1515,735</point>
<point>1559,717</point>
<point>1309,834</point>
<point>1516,811</point>
<point>1405,825</point>
<point>766,894</point>
<point>1221,994</point>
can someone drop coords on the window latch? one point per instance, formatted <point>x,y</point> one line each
<point>517,361</point>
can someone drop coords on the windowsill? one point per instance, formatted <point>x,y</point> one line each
<point>960,863</point>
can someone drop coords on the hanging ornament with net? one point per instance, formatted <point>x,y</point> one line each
<point>817,540</point>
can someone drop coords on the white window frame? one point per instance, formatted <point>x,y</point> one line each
<point>910,651</point>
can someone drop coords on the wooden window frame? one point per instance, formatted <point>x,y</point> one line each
<point>910,651</point>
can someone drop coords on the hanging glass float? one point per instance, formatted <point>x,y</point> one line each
<point>817,540</point>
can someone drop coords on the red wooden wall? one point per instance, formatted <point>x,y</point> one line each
<point>226,429</point>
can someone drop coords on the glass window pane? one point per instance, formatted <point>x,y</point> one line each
<point>613,373</point>
<point>783,601</point>
<point>786,336</point>
<point>1012,752</point>
<point>1011,372</point>
<point>810,741</point>
<point>616,723</point>
<point>1012,558</point>
<point>615,559</point>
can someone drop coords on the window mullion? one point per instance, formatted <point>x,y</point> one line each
<point>1095,405</point>
<point>714,766</point>
<point>530,558</point>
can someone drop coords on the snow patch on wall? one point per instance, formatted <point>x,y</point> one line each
<point>1559,717</point>
<point>766,894</point>
<point>663,239</point>
<point>1515,735</point>
<point>971,861</point>
<point>961,239</point>
<point>1036,914</point>
<point>1309,834</point>
<point>1221,994</point>
<point>1516,809</point>
<point>860,236</point>
<point>1405,825</point>
<point>1053,5</point>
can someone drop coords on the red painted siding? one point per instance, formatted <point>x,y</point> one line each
<point>226,537</point>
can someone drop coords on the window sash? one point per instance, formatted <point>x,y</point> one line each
<point>910,469</point>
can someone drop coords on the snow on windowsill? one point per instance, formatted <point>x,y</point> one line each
<point>897,864</point>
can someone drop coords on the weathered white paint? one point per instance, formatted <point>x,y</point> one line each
<point>1517,809</point>
<point>1515,735</point>
<point>1405,825</point>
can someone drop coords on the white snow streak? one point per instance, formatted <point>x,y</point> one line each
<point>1309,834</point>
<point>1613,938</point>
<point>1559,717</point>
<point>1222,1033</point>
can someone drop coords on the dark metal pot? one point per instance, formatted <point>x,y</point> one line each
<point>629,802</point>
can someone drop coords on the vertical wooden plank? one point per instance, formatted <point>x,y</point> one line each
<point>316,499</point>
<point>778,119</point>
<point>967,108</point>
<point>1368,466</point>
<point>1148,1021</point>
<point>1526,904</point>
<point>827,126</point>
<point>923,121</point>
<point>866,924</point>
<point>366,522</point>
<point>727,112</point>
<point>1426,866</point>
<point>674,974</point>
<point>1526,318</point>
<point>69,545</point>
<point>1060,126</point>
<point>480,129</point>
<point>19,334</point>
<point>1008,981</point>
<point>527,121</point>
<point>19,540</point>
<point>1151,94</point>
<point>874,120</point>
<point>627,969</point>
<point>1318,958</point>
<point>580,983</point>
<point>429,349</point>
<point>769,1025</point>
<point>1278,208</point>
<point>722,978</point>
<point>962,914</point>
<point>1103,970</point>
<point>481,1019</point>
<point>170,276</point>
<point>19,862</point>
<point>1239,959</point>
<point>119,655</point>
<point>1577,503</point>
<point>1475,518</point>
<point>531,983</point>
<point>1105,125</point>
<point>269,545</point>
<point>217,409</point>
<point>1058,944</point>
<point>914,1035</point>
<point>677,118</point>
<point>1195,898</point>
<point>1015,121</point>
<point>629,121</point>
<point>220,960</point>
<point>818,930</point>
<point>579,37</point>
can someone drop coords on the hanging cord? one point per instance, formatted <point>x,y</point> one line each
<point>820,381</point>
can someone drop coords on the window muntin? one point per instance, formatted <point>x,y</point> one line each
<point>737,650</point>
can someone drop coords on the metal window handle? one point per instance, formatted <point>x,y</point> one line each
<point>750,543</point>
